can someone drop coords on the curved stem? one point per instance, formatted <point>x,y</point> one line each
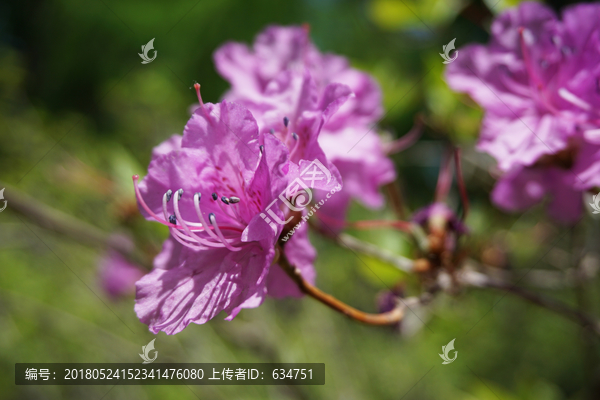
<point>397,202</point>
<point>354,244</point>
<point>407,140</point>
<point>402,226</point>
<point>388,318</point>
<point>54,220</point>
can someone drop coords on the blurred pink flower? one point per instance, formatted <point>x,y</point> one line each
<point>538,81</point>
<point>218,177</point>
<point>315,103</point>
<point>438,216</point>
<point>117,275</point>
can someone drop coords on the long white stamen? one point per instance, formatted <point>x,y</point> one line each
<point>166,197</point>
<point>181,238</point>
<point>185,227</point>
<point>233,200</point>
<point>294,145</point>
<point>213,221</point>
<point>226,212</point>
<point>197,243</point>
<point>145,206</point>
<point>234,208</point>
<point>201,217</point>
<point>571,98</point>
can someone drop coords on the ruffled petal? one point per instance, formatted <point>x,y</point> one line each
<point>201,286</point>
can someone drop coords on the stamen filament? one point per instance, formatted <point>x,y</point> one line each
<point>197,87</point>
<point>180,238</point>
<point>145,206</point>
<point>227,213</point>
<point>527,59</point>
<point>213,221</point>
<point>201,217</point>
<point>187,230</point>
<point>177,235</point>
<point>571,98</point>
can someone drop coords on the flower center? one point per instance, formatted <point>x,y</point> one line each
<point>199,235</point>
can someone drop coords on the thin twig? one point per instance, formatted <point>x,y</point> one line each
<point>408,139</point>
<point>403,226</point>
<point>476,279</point>
<point>395,195</point>
<point>402,263</point>
<point>444,179</point>
<point>67,225</point>
<point>388,318</point>
<point>352,243</point>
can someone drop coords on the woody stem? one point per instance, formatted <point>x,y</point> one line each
<point>388,318</point>
<point>54,220</point>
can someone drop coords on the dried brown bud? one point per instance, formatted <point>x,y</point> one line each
<point>421,265</point>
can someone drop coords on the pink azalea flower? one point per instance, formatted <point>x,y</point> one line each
<point>317,104</point>
<point>438,216</point>
<point>210,187</point>
<point>538,81</point>
<point>117,275</point>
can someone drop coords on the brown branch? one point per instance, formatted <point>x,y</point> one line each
<point>403,226</point>
<point>388,318</point>
<point>407,140</point>
<point>399,225</point>
<point>354,244</point>
<point>69,226</point>
<point>395,195</point>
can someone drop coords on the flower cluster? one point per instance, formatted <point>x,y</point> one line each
<point>289,106</point>
<point>284,77</point>
<point>539,82</point>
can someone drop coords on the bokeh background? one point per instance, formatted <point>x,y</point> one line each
<point>79,114</point>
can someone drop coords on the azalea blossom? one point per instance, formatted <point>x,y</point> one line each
<point>538,81</point>
<point>118,275</point>
<point>210,187</point>
<point>315,103</point>
<point>439,217</point>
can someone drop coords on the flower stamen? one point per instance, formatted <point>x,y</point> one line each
<point>571,98</point>
<point>145,206</point>
<point>185,227</point>
<point>526,39</point>
<point>213,220</point>
<point>197,87</point>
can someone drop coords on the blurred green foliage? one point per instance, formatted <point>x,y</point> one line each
<point>79,115</point>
